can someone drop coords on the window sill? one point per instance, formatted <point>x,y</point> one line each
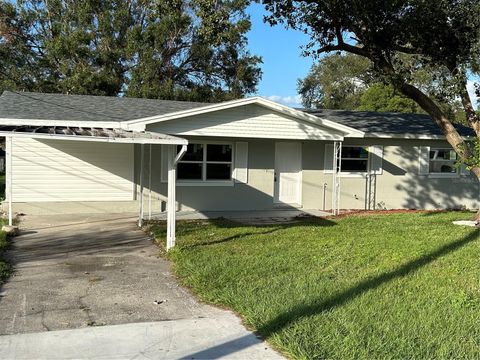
<point>204,183</point>
<point>443,176</point>
<point>353,175</point>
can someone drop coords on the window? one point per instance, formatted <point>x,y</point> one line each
<point>442,161</point>
<point>206,162</point>
<point>354,159</point>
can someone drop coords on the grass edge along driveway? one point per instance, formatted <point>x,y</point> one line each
<point>5,267</point>
<point>381,286</point>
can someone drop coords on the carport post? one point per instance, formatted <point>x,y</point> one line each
<point>140,215</point>
<point>173,159</point>
<point>9,192</point>
<point>337,168</point>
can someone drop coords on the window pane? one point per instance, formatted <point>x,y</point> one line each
<point>354,165</point>
<point>219,152</point>
<point>443,154</point>
<point>354,152</point>
<point>442,167</point>
<point>189,171</point>
<point>219,171</point>
<point>194,152</point>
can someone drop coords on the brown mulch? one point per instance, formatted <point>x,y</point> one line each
<point>346,213</point>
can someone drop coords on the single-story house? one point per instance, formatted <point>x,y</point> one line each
<point>72,153</point>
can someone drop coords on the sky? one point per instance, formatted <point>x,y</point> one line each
<point>283,64</point>
<point>282,60</point>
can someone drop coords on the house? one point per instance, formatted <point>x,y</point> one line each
<point>73,153</point>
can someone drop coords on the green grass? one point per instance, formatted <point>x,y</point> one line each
<point>397,286</point>
<point>5,268</point>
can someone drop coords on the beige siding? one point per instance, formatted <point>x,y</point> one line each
<point>250,121</point>
<point>53,170</point>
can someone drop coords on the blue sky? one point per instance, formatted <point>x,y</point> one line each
<point>282,62</point>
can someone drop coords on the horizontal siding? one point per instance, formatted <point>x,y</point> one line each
<point>56,170</point>
<point>249,121</point>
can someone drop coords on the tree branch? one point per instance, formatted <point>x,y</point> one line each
<point>472,116</point>
<point>427,104</point>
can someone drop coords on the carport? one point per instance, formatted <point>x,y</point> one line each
<point>105,135</point>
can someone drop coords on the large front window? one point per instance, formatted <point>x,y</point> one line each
<point>206,162</point>
<point>442,161</point>
<point>354,159</point>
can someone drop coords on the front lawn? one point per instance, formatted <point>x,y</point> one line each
<point>402,286</point>
<point>5,268</point>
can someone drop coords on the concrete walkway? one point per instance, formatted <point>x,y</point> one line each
<point>93,287</point>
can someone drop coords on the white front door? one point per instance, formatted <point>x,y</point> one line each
<point>288,170</point>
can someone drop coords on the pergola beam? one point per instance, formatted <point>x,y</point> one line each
<point>101,135</point>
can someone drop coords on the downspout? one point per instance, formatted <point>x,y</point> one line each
<point>9,167</point>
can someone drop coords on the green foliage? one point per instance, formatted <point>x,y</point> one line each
<point>342,289</point>
<point>437,41</point>
<point>474,149</point>
<point>5,267</point>
<point>174,49</point>
<point>335,82</point>
<point>384,98</point>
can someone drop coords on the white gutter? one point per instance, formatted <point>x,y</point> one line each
<point>411,136</point>
<point>71,123</point>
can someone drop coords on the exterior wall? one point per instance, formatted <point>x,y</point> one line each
<point>72,177</point>
<point>63,171</point>
<point>257,194</point>
<point>399,186</point>
<point>250,121</point>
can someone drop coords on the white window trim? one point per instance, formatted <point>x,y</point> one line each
<point>204,162</point>
<point>435,175</point>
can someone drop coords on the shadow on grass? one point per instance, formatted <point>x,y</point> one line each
<point>232,238</point>
<point>190,226</point>
<point>287,318</point>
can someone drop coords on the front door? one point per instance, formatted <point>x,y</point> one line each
<point>288,170</point>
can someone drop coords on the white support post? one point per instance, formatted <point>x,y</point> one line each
<point>140,215</point>
<point>171,200</point>
<point>150,183</point>
<point>173,159</point>
<point>8,183</point>
<point>337,168</point>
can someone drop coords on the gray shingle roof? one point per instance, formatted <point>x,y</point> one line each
<point>25,105</point>
<point>387,123</point>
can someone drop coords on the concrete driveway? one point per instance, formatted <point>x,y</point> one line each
<point>88,272</point>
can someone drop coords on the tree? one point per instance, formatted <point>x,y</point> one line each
<point>437,36</point>
<point>173,49</point>
<point>335,82</point>
<point>383,98</point>
<point>347,81</point>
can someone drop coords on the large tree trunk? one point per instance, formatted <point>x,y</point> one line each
<point>476,171</point>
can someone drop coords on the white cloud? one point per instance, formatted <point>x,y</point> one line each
<point>291,100</point>
<point>471,91</point>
